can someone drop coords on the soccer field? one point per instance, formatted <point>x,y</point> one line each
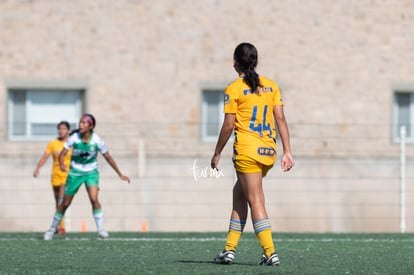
<point>192,253</point>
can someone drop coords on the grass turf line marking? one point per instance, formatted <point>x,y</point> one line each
<point>167,239</point>
<point>118,239</point>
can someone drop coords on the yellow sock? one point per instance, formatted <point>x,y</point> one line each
<point>266,241</point>
<point>233,236</point>
<point>263,231</point>
<point>62,223</point>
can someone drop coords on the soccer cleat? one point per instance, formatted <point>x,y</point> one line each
<point>61,231</point>
<point>225,257</point>
<point>48,236</point>
<point>273,260</point>
<point>103,234</point>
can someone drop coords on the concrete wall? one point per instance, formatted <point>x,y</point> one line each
<point>144,64</point>
<point>352,196</point>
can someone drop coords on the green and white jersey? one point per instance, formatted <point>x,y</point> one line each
<point>84,154</point>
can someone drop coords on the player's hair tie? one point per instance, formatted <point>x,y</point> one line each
<point>89,119</point>
<point>252,65</point>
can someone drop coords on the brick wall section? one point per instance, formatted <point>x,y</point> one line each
<point>145,62</point>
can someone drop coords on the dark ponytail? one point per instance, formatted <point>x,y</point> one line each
<point>74,131</point>
<point>245,57</point>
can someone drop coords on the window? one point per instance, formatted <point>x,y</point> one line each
<point>403,115</point>
<point>33,113</point>
<point>211,114</point>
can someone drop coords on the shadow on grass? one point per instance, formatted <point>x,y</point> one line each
<point>214,263</point>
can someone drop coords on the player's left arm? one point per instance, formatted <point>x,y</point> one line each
<point>114,166</point>
<point>287,159</point>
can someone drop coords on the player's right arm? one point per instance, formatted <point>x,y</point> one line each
<point>62,156</point>
<point>43,159</point>
<point>41,162</point>
<point>66,147</point>
<point>225,133</point>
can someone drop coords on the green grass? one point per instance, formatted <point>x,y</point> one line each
<point>192,253</point>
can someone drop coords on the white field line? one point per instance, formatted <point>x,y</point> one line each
<point>167,239</point>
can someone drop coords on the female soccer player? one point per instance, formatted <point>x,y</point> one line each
<point>251,105</point>
<point>58,178</point>
<point>85,146</point>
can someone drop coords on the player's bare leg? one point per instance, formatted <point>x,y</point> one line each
<point>251,185</point>
<point>237,223</point>
<point>60,212</point>
<point>253,189</point>
<point>58,192</point>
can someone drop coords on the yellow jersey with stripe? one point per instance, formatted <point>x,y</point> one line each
<point>54,148</point>
<point>254,131</point>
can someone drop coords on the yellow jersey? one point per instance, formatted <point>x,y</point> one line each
<point>254,131</point>
<point>54,148</point>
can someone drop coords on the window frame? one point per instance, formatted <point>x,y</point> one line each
<point>211,88</point>
<point>395,129</point>
<point>30,86</point>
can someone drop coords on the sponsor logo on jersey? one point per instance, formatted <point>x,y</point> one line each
<point>262,89</point>
<point>266,151</point>
<point>267,89</point>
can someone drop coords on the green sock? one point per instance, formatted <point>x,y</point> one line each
<point>56,220</point>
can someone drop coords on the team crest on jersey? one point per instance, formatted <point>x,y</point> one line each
<point>226,98</point>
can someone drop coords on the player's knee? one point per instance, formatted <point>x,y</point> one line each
<point>59,201</point>
<point>94,201</point>
<point>255,201</point>
<point>63,206</point>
